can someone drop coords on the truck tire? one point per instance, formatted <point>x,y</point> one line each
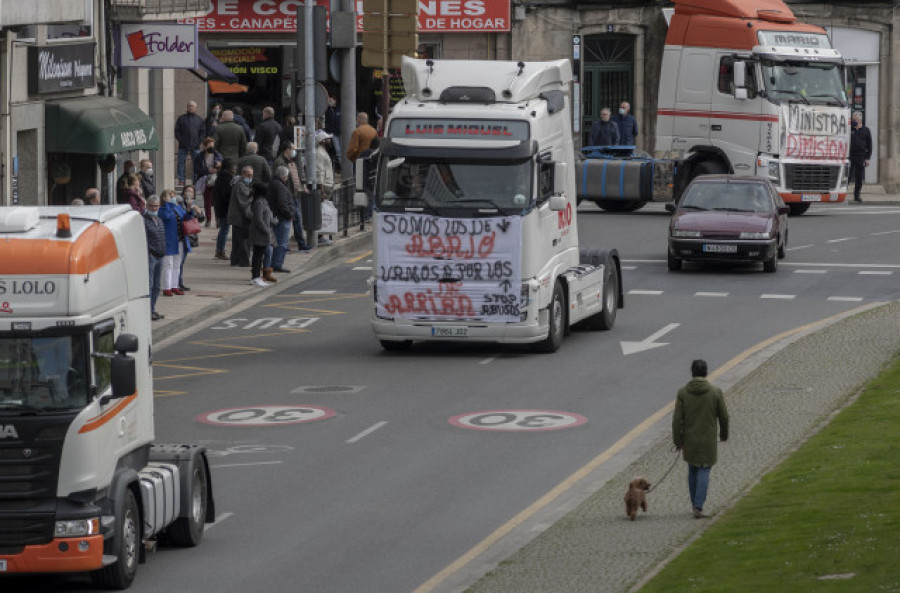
<point>606,318</point>
<point>621,205</point>
<point>557,310</point>
<point>798,208</point>
<point>188,531</point>
<point>396,346</point>
<point>120,574</point>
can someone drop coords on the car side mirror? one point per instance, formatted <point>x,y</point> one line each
<point>670,208</point>
<point>784,210</point>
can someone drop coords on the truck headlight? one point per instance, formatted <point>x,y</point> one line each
<point>774,171</point>
<point>76,527</point>
<point>766,235</point>
<point>685,234</point>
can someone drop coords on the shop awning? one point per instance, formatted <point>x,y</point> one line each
<point>97,125</point>
<point>215,69</point>
<point>217,87</point>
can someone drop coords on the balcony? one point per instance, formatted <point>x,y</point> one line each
<point>38,12</point>
<point>154,10</point>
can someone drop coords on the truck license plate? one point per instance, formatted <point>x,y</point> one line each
<point>713,248</point>
<point>2,565</point>
<point>450,332</point>
<point>811,197</point>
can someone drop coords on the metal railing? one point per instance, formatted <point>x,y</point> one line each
<point>349,216</point>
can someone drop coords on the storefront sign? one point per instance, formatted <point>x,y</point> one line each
<point>280,16</point>
<point>155,45</point>
<point>60,67</point>
<point>247,60</point>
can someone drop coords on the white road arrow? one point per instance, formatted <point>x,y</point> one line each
<point>647,343</point>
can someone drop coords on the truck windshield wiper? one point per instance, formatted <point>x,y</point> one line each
<point>790,92</point>
<point>19,407</point>
<point>832,96</point>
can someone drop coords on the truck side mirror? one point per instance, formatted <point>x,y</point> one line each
<point>126,343</point>
<point>122,375</point>
<point>740,79</point>
<point>558,203</point>
<point>559,178</point>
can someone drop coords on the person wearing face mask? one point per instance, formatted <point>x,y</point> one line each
<point>239,217</point>
<point>287,157</point>
<point>212,120</point>
<point>267,136</point>
<point>122,183</point>
<point>628,128</point>
<point>860,153</point>
<point>148,185</point>
<point>156,250</point>
<point>206,166</point>
<point>177,244</point>
<point>333,127</point>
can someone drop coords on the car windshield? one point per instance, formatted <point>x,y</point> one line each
<point>729,197</point>
<point>809,82</point>
<point>43,373</point>
<point>457,187</point>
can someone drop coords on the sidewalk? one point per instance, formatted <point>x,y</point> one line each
<point>215,285</point>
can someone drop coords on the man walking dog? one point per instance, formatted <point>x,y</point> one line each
<point>699,411</point>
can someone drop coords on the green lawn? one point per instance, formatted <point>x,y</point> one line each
<point>830,510</point>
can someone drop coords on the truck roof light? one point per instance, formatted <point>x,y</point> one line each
<point>63,226</point>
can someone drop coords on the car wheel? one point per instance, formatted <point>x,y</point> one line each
<point>798,209</point>
<point>395,345</point>
<point>674,263</point>
<point>771,264</point>
<point>782,249</point>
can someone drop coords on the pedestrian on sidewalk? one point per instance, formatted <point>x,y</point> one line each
<point>156,250</point>
<point>229,137</point>
<point>122,182</point>
<point>221,198</point>
<point>860,153</point>
<point>324,175</point>
<point>261,237</point>
<point>627,124</point>
<point>604,132</point>
<point>286,158</point>
<point>133,195</point>
<point>699,411</point>
<point>361,137</point>
<point>261,170</point>
<point>206,167</point>
<point>177,244</point>
<point>267,136</point>
<point>148,184</point>
<point>333,127</point>
<point>240,217</point>
<point>283,209</point>
<point>189,132</point>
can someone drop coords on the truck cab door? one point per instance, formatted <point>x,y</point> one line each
<point>693,88</point>
<point>735,123</point>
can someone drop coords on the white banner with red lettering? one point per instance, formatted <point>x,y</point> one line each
<point>280,16</point>
<point>446,269</point>
<point>816,132</point>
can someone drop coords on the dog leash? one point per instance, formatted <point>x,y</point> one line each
<point>668,471</point>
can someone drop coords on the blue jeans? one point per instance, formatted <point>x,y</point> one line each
<point>282,236</point>
<point>155,265</point>
<point>182,157</point>
<point>298,224</point>
<point>698,484</point>
<point>222,237</point>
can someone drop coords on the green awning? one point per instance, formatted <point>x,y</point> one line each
<point>98,125</point>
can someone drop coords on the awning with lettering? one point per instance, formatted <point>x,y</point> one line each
<point>97,125</point>
<point>215,69</point>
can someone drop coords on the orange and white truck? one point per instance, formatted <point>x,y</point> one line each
<point>744,88</point>
<point>82,486</point>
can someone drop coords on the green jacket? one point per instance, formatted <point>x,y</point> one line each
<point>230,140</point>
<point>699,406</point>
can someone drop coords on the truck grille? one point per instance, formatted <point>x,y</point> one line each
<point>28,472</point>
<point>820,178</point>
<point>26,530</point>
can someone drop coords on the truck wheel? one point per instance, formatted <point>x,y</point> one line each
<point>120,574</point>
<point>188,531</point>
<point>395,346</point>
<point>797,209</point>
<point>674,263</point>
<point>557,310</point>
<point>606,318</point>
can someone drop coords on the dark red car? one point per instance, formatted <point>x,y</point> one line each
<point>728,218</point>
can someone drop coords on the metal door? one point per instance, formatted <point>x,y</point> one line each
<point>608,76</point>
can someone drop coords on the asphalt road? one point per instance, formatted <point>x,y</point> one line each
<point>369,477</point>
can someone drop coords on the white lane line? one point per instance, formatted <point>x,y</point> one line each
<point>318,292</point>
<point>883,233</point>
<point>845,299</point>
<point>219,519</point>
<point>366,432</point>
<point>629,267</point>
<point>711,294</point>
<point>646,292</point>
<point>488,360</point>
<point>819,265</point>
<point>875,273</point>
<point>842,239</point>
<point>366,268</point>
<point>799,247</point>
<point>785,297</point>
<point>244,464</point>
<point>810,271</point>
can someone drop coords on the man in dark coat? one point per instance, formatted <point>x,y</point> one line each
<point>604,132</point>
<point>283,209</point>
<point>628,127</point>
<point>860,153</point>
<point>229,137</point>
<point>190,129</point>
<point>240,217</point>
<point>261,171</point>
<point>221,198</point>
<point>268,136</point>
<point>699,411</point>
<point>148,184</point>
<point>156,250</point>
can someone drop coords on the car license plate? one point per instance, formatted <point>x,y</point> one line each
<point>811,197</point>
<point>2,565</point>
<point>450,332</point>
<point>720,248</point>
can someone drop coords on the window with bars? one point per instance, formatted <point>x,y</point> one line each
<point>608,76</point>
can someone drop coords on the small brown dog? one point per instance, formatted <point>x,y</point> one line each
<point>635,498</point>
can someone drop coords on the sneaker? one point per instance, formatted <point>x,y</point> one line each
<point>698,513</point>
<point>155,316</point>
<point>259,282</point>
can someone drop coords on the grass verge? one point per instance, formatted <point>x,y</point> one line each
<point>826,519</point>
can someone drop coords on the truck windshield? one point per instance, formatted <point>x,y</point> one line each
<point>43,373</point>
<point>808,82</point>
<point>457,188</point>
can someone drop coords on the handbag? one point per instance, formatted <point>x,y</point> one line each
<point>190,227</point>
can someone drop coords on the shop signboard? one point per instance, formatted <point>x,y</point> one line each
<point>60,67</point>
<point>156,45</point>
<point>280,16</point>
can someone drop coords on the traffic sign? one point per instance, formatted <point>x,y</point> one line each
<point>518,420</point>
<point>266,415</point>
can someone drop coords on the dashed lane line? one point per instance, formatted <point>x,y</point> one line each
<point>841,240</point>
<point>711,294</point>
<point>810,271</point>
<point>786,297</point>
<point>841,299</point>
<point>646,292</point>
<point>875,272</point>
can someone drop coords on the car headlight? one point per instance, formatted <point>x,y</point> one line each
<point>766,235</point>
<point>685,234</point>
<point>77,527</point>
<point>774,171</point>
